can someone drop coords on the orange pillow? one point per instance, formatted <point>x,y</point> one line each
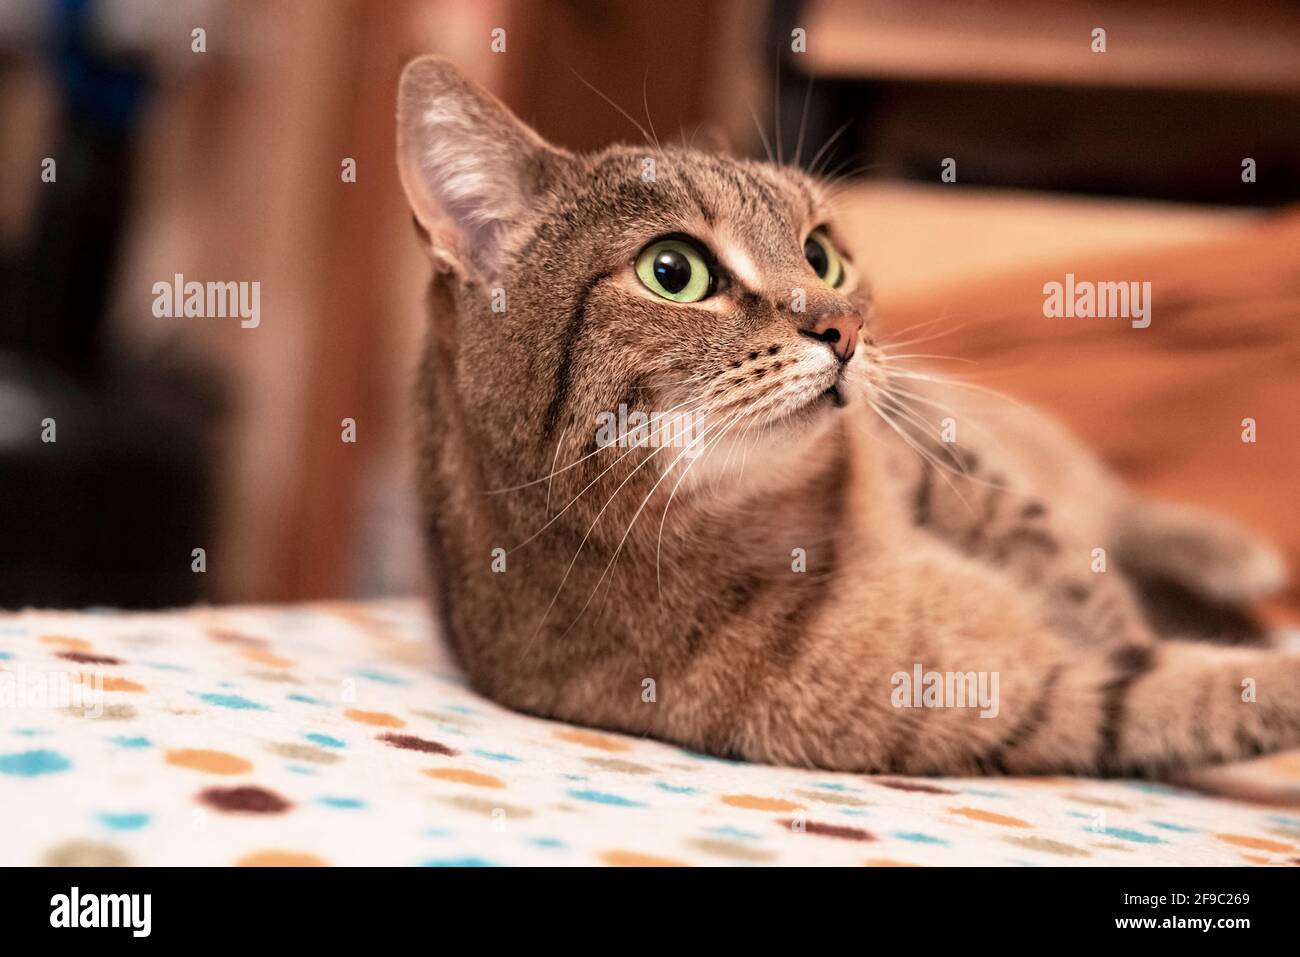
<point>1164,405</point>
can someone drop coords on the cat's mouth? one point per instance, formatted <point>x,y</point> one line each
<point>834,396</point>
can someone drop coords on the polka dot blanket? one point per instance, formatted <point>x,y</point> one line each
<point>341,734</point>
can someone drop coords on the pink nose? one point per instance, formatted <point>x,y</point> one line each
<point>839,331</point>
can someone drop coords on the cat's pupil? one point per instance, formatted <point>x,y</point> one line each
<point>672,270</point>
<point>816,256</point>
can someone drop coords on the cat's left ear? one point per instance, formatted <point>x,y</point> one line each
<point>470,168</point>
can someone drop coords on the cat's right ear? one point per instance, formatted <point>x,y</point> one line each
<point>469,167</point>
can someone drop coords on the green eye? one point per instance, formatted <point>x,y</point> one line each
<point>822,256</point>
<point>674,269</point>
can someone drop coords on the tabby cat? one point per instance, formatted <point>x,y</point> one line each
<point>757,591</point>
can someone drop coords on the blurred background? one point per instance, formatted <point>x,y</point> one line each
<point>209,138</point>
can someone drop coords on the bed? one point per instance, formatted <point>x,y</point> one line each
<point>341,734</point>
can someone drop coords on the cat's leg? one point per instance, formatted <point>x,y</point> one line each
<point>1198,565</point>
<point>985,510</point>
<point>837,696</point>
<point>1153,710</point>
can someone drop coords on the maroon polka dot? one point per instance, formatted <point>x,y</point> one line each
<point>248,800</point>
<point>841,831</point>
<point>86,658</point>
<point>911,786</point>
<point>411,743</point>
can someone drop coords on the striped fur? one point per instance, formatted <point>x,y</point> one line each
<point>757,600</point>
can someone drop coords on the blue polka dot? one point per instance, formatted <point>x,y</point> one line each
<point>382,677</point>
<point>6,656</point>
<point>126,742</point>
<point>325,740</point>
<point>124,822</point>
<point>300,769</point>
<point>727,830</point>
<point>30,732</point>
<point>306,699</point>
<point>237,702</point>
<point>1125,834</point>
<point>343,802</point>
<point>495,755</point>
<point>30,764</point>
<point>675,788</point>
<point>549,843</point>
<point>1166,826</point>
<point>604,797</point>
<point>458,862</point>
<point>917,838</point>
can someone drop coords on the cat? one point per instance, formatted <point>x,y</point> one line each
<point>757,593</point>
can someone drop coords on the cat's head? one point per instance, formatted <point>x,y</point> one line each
<point>663,281</point>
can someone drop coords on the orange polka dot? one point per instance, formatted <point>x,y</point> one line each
<point>380,719</point>
<point>887,862</point>
<point>63,641</point>
<point>213,762</point>
<point>635,859</point>
<point>591,739</point>
<point>755,803</point>
<point>282,859</point>
<point>975,814</point>
<point>1255,859</point>
<point>465,776</point>
<point>1255,843</point>
<point>264,657</point>
<point>106,682</point>
<point>230,637</point>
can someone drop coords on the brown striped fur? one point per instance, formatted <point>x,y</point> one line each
<point>630,566</point>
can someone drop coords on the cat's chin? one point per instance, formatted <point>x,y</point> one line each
<point>834,395</point>
<point>819,409</point>
<point>771,452</point>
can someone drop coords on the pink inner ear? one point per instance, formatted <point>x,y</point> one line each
<point>466,164</point>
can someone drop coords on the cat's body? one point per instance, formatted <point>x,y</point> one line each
<point>759,599</point>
